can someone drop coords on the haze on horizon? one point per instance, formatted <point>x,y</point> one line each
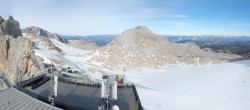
<point>166,17</point>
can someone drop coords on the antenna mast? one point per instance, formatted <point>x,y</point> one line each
<point>54,80</point>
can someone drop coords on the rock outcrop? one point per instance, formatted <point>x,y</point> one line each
<point>139,48</point>
<point>17,52</point>
<point>10,27</point>
<point>36,31</point>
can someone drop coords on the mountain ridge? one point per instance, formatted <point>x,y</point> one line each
<point>140,48</point>
<point>37,31</point>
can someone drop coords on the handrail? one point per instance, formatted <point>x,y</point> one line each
<point>26,82</point>
<point>137,98</point>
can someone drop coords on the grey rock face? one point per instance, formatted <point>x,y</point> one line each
<point>18,52</point>
<point>1,20</point>
<point>37,31</point>
<point>10,18</point>
<point>10,27</point>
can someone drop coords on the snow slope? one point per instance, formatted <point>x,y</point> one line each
<point>70,59</point>
<point>176,87</point>
<point>214,87</point>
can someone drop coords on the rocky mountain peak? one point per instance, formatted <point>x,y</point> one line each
<point>139,48</point>
<point>10,27</point>
<point>137,31</point>
<point>142,29</point>
<point>10,18</point>
<point>139,36</point>
<point>37,31</point>
<point>16,51</point>
<point>1,20</point>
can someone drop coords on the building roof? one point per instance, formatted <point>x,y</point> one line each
<point>12,99</point>
<point>83,97</point>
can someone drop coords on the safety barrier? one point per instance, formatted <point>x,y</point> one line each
<point>29,81</point>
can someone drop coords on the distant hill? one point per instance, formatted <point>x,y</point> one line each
<point>100,40</point>
<point>226,44</point>
<point>179,39</point>
<point>84,44</point>
<point>105,39</point>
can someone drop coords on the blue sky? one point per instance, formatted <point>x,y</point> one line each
<point>165,17</point>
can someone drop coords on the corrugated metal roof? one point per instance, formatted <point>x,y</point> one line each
<point>12,99</point>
